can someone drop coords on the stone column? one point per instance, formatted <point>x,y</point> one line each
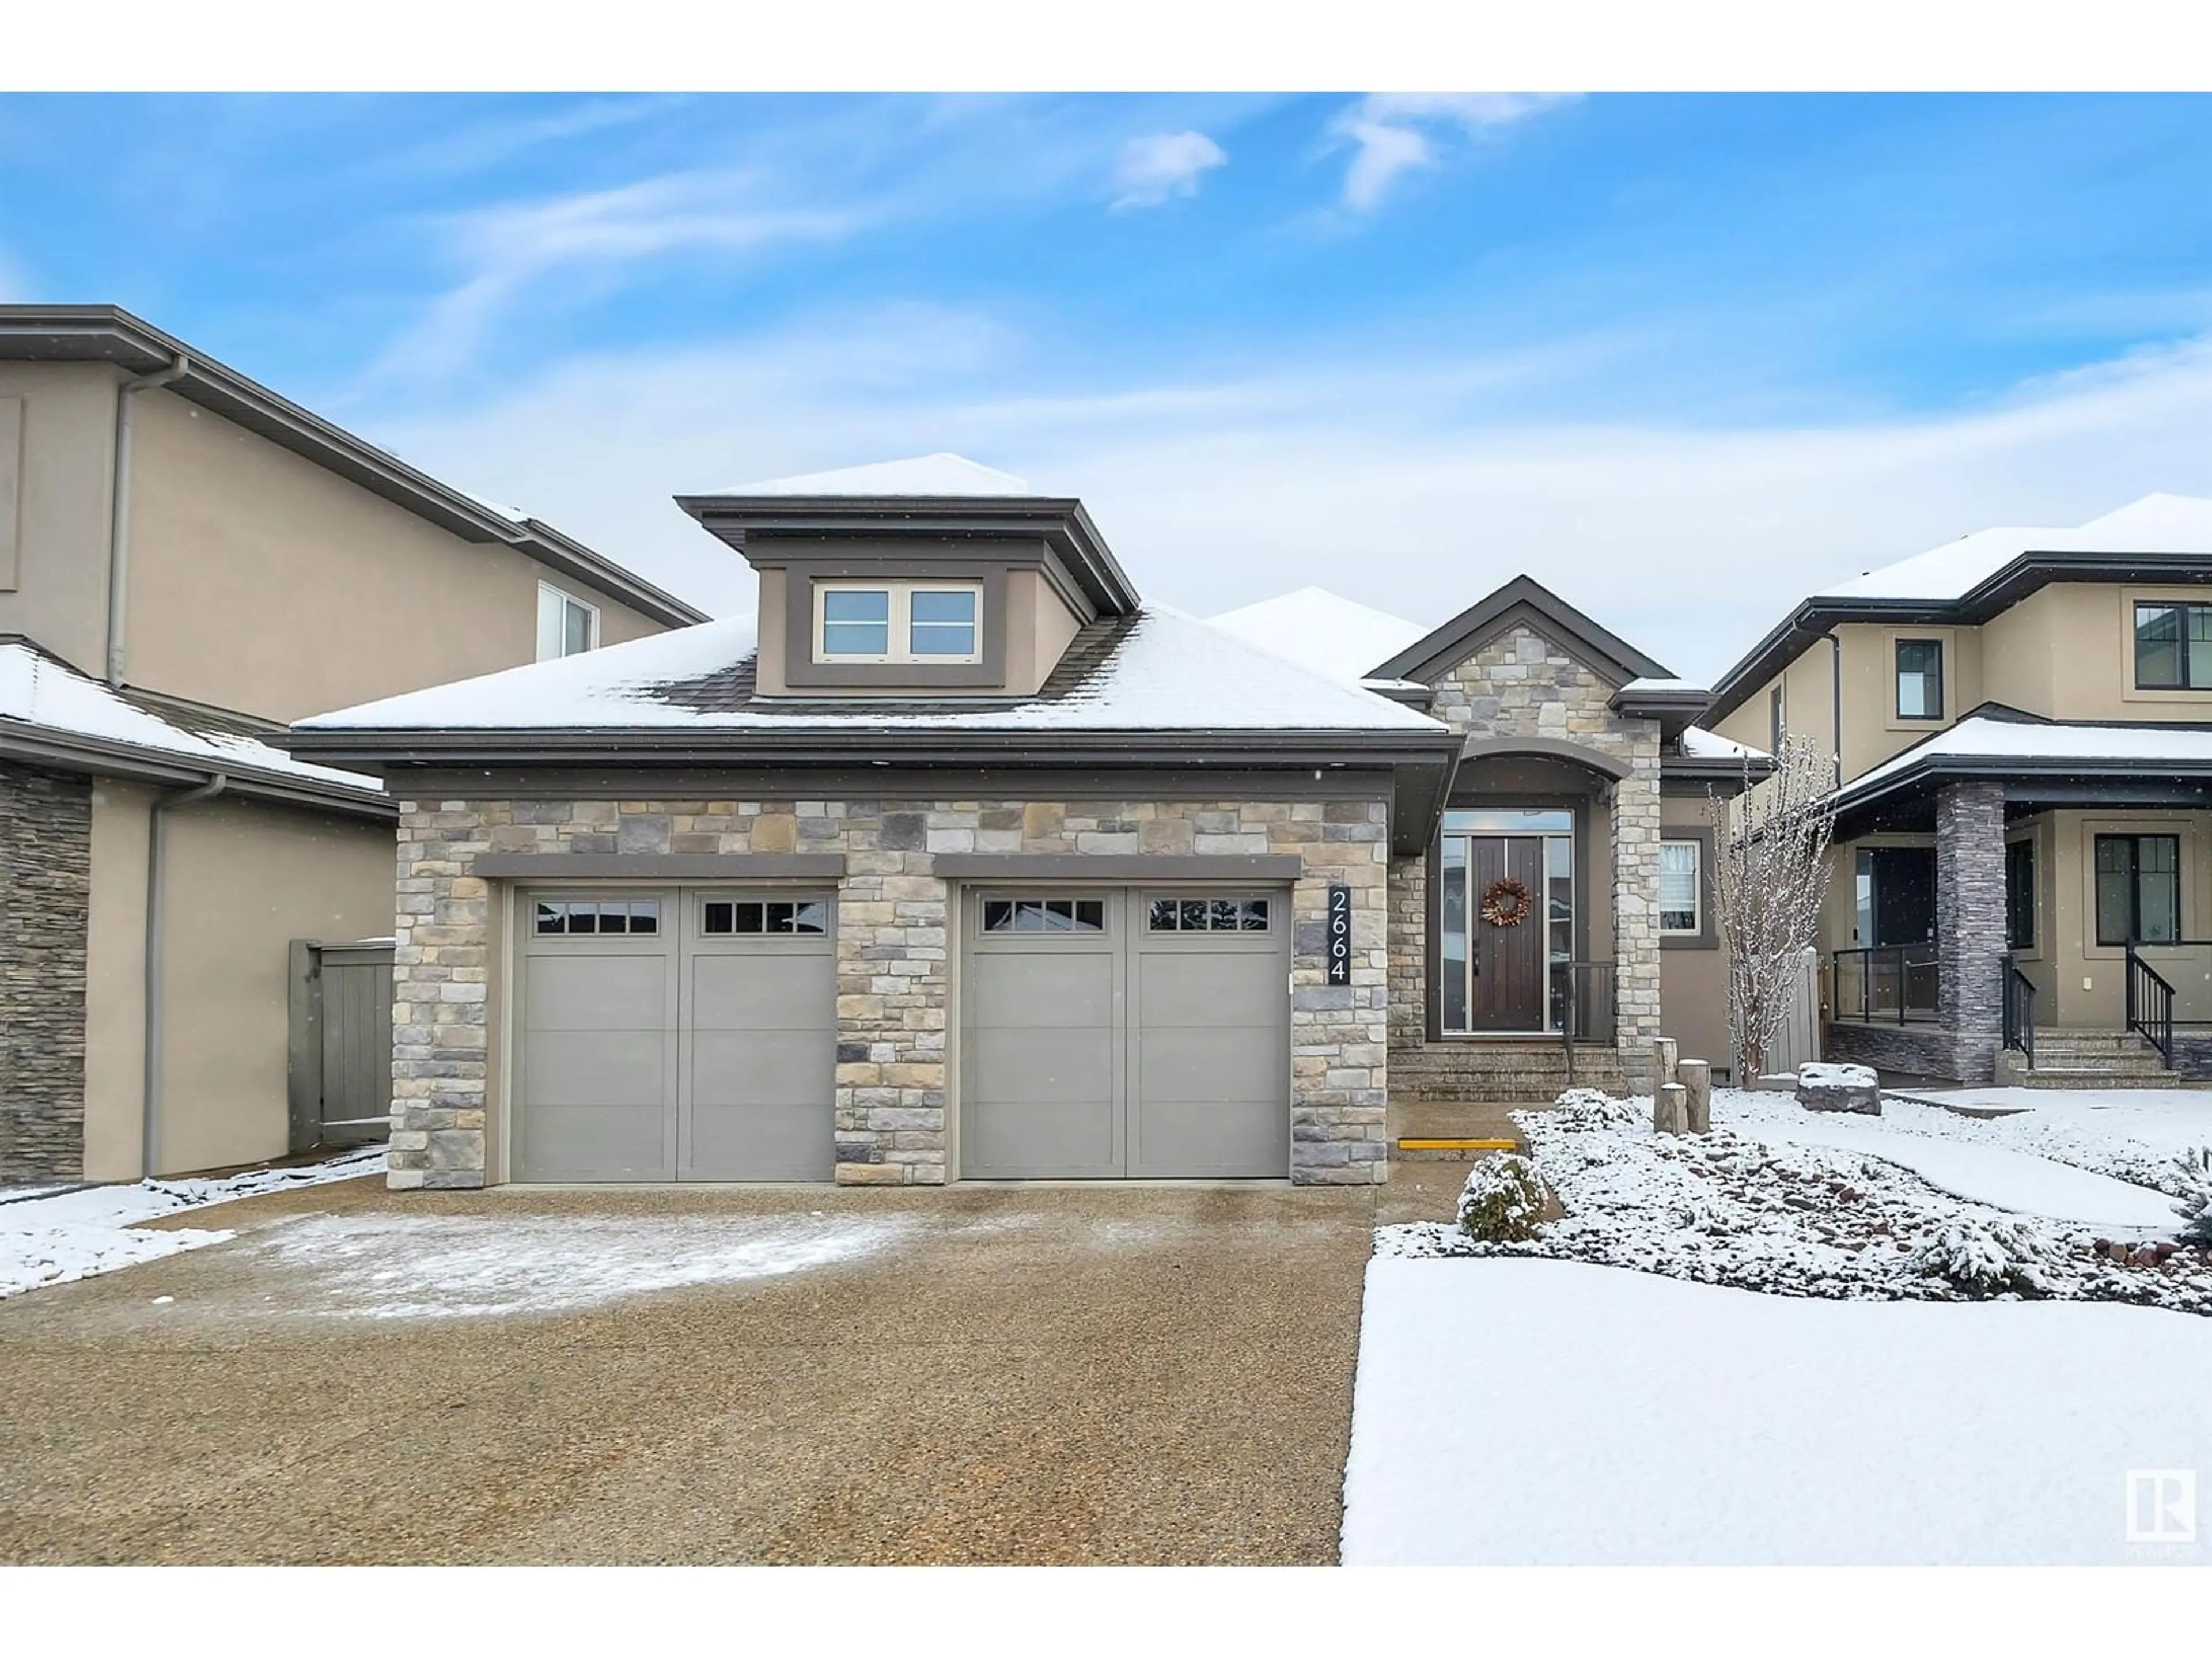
<point>1636,915</point>
<point>1969,924</point>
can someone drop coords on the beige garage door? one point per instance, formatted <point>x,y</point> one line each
<point>1113,1033</point>
<point>675,1034</point>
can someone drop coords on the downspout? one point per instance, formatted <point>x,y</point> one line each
<point>156,888</point>
<point>118,497</point>
<point>1836,707</point>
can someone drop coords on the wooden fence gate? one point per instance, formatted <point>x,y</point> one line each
<point>341,1044</point>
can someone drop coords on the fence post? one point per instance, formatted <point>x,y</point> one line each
<point>303,1056</point>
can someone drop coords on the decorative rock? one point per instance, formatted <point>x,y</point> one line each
<point>1666,1055</point>
<point>1839,1089</point>
<point>1669,1110</point>
<point>1696,1077</point>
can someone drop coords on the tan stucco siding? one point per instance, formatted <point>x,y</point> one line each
<point>1694,979</point>
<point>261,581</point>
<point>243,881</point>
<point>115,984</point>
<point>1039,628</point>
<point>59,594</point>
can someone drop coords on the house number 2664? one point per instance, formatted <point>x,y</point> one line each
<point>1340,934</point>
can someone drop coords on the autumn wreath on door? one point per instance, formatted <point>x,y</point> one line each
<point>1506,903</point>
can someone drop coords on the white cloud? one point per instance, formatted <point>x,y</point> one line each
<point>506,250</point>
<point>1161,166</point>
<point>1386,131</point>
<point>1413,485</point>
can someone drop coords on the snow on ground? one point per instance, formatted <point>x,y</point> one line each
<point>1779,1199</point>
<point>93,1229</point>
<point>2134,1133</point>
<point>424,1266</point>
<point>1982,1169</point>
<point>1547,1411</point>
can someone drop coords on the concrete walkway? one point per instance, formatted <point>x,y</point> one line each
<point>1063,1374</point>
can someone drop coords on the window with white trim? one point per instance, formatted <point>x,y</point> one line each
<point>1681,902</point>
<point>566,625</point>
<point>898,621</point>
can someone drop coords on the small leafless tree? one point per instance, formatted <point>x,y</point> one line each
<point>1771,846</point>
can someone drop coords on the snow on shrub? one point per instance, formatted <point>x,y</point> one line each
<point>1984,1257</point>
<point>1502,1200</point>
<point>1594,1109</point>
<point>2196,1206</point>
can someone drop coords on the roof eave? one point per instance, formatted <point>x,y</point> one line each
<point>110,334</point>
<point>1061,521</point>
<point>73,752</point>
<point>2015,580</point>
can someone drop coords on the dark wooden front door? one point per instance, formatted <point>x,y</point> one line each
<point>1506,974</point>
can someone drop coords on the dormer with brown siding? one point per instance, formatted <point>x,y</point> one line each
<point>934,579</point>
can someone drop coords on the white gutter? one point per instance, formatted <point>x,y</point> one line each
<point>157,899</point>
<point>118,509</point>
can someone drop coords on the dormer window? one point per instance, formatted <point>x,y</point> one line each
<point>898,621</point>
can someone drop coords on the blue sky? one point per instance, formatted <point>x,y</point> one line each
<point>1681,357</point>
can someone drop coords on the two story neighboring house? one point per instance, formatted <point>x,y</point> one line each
<point>187,563</point>
<point>2022,726</point>
<point>967,861</point>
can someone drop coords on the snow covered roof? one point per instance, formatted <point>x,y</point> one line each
<point>2155,524</point>
<point>922,475</point>
<point>1322,631</point>
<point>47,697</point>
<point>1648,683</point>
<point>1700,744</point>
<point>1982,738</point>
<point>1159,670</point>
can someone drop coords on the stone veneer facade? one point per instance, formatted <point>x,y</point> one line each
<point>45,896</point>
<point>894,939</point>
<point>1521,685</point>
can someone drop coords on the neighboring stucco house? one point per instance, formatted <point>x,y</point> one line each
<point>2022,726</point>
<point>187,563</point>
<point>968,862</point>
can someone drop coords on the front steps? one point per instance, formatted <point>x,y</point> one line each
<point>1499,1073</point>
<point>2087,1059</point>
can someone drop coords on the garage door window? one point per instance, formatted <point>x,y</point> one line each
<point>1045,915</point>
<point>598,916</point>
<point>731,916</point>
<point>1210,915</point>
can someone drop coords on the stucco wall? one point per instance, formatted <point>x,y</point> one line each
<point>894,962</point>
<point>344,596</point>
<point>60,596</point>
<point>1693,976</point>
<point>244,880</point>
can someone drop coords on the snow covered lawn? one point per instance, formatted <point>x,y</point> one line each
<point>75,1234</point>
<point>1976,1159</point>
<point>1512,1412</point>
<point>1912,1205</point>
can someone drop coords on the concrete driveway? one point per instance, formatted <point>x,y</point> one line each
<point>1062,1374</point>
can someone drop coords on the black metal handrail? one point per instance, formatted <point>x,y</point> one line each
<point>1886,982</point>
<point>1581,1005</point>
<point>2150,1003</point>
<point>2019,1002</point>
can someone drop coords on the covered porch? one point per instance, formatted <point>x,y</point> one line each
<point>2022,917</point>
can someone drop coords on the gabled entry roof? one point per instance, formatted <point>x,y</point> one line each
<point>1525,600</point>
